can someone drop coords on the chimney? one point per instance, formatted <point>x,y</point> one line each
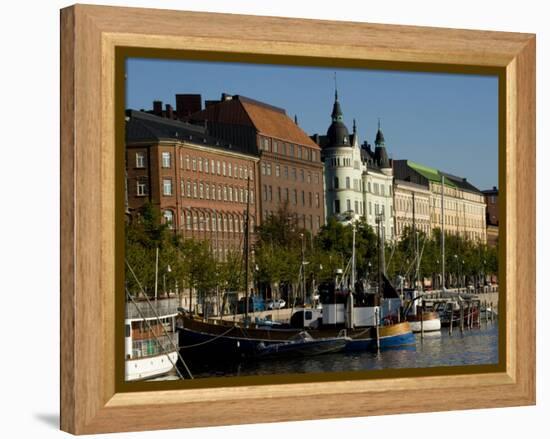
<point>226,97</point>
<point>157,108</point>
<point>187,104</point>
<point>169,111</point>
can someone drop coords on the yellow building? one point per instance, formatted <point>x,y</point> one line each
<point>464,208</point>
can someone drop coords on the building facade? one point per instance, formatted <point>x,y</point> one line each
<point>200,185</point>
<point>291,172</point>
<point>464,208</point>
<point>357,179</point>
<point>492,215</point>
<point>412,207</point>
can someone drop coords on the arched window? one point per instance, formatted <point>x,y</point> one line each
<point>169,218</point>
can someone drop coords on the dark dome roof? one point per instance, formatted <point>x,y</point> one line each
<point>337,134</point>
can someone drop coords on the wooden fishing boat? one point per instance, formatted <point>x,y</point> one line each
<point>219,337</point>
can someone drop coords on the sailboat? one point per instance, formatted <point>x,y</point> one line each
<point>420,320</point>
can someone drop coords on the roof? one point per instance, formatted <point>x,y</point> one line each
<point>434,175</point>
<point>267,119</point>
<point>143,126</point>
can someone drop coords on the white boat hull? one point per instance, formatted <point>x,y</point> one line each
<point>149,367</point>
<point>429,325</point>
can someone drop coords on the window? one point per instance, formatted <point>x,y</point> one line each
<point>194,162</point>
<point>277,170</point>
<point>200,164</point>
<point>299,151</point>
<point>188,188</point>
<point>140,160</point>
<point>224,172</point>
<point>275,146</point>
<point>195,189</point>
<point>295,198</point>
<point>207,191</point>
<point>166,159</point>
<point>317,202</point>
<point>347,183</point>
<point>286,194</point>
<point>218,167</point>
<point>266,145</point>
<point>286,172</point>
<point>356,206</point>
<point>268,168</point>
<point>201,191</point>
<point>169,218</point>
<point>309,177</point>
<point>265,192</point>
<point>270,193</point>
<point>348,204</point>
<point>293,170</point>
<point>310,199</point>
<point>291,149</point>
<point>335,182</point>
<point>206,166</point>
<point>141,188</point>
<point>187,163</point>
<point>301,174</point>
<point>336,206</point>
<point>230,169</point>
<point>303,198</point>
<point>167,186</point>
<point>246,173</point>
<point>279,194</point>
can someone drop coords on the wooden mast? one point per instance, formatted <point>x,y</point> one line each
<point>246,250</point>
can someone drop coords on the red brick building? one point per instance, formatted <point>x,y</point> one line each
<point>492,214</point>
<point>199,182</point>
<point>290,162</point>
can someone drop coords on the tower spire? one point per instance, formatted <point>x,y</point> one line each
<point>335,88</point>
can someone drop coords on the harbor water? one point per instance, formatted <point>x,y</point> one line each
<point>477,346</point>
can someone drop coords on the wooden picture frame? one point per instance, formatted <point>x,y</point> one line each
<point>90,37</point>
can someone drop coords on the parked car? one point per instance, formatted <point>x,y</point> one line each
<point>275,304</point>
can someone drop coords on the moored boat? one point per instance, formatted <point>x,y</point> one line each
<point>301,345</point>
<point>151,341</point>
<point>427,321</point>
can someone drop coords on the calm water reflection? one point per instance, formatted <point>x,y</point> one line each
<point>474,347</point>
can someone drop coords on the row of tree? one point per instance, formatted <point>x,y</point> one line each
<point>280,246</point>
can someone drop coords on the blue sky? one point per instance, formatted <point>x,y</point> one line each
<point>447,121</point>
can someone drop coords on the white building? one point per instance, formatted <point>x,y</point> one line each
<point>358,180</point>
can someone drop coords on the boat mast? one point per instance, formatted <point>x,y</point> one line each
<point>443,231</point>
<point>156,273</point>
<point>246,249</point>
<point>415,234</point>
<point>353,258</point>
